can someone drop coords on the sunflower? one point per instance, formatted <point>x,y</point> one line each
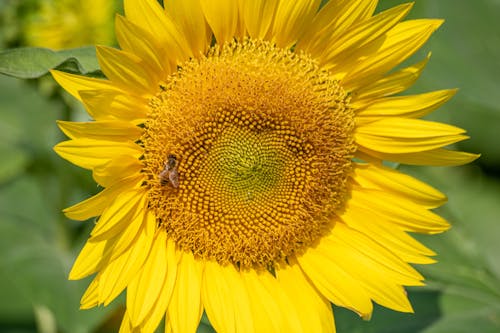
<point>240,145</point>
<point>59,24</point>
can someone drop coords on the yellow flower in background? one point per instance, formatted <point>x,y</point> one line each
<point>244,177</point>
<point>59,24</point>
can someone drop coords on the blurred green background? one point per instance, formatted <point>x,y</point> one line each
<point>38,244</point>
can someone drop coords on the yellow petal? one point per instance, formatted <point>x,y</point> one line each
<point>95,254</point>
<point>122,242</point>
<point>406,214</point>
<point>89,260</point>
<point>119,273</point>
<point>100,130</point>
<point>90,298</point>
<point>258,16</point>
<point>223,288</point>
<point>291,20</point>
<point>403,145</point>
<point>435,157</point>
<point>185,308</point>
<point>109,104</point>
<point>389,85</point>
<point>189,17</point>
<point>314,311</point>
<point>401,135</point>
<point>150,16</point>
<point>241,30</point>
<point>135,40</point>
<point>126,326</point>
<point>143,290</point>
<point>124,209</point>
<point>412,106</point>
<point>116,169</point>
<point>74,84</point>
<point>222,16</point>
<point>378,283</point>
<point>128,71</point>
<point>384,232</point>
<point>380,56</point>
<point>408,128</point>
<point>332,21</point>
<point>271,307</point>
<point>158,310</point>
<point>370,256</point>
<point>94,206</point>
<point>383,178</point>
<point>88,153</point>
<point>337,285</point>
<point>339,51</point>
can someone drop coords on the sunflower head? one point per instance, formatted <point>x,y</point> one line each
<point>240,145</point>
<point>257,180</point>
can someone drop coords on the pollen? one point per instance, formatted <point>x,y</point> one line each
<point>263,142</point>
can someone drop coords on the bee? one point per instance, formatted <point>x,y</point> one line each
<point>170,172</point>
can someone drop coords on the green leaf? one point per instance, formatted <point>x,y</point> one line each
<point>16,310</point>
<point>14,161</point>
<point>28,131</point>
<point>462,314</point>
<point>27,119</point>
<point>45,319</point>
<point>36,260</point>
<point>35,239</point>
<point>34,62</point>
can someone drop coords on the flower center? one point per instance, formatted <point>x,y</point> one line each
<point>248,151</point>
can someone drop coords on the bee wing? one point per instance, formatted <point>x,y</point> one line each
<point>173,176</point>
